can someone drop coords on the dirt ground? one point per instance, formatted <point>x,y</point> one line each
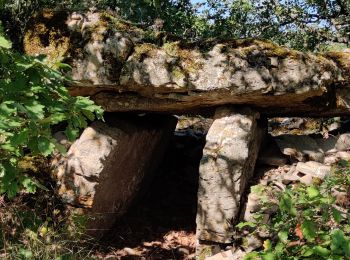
<point>161,225</point>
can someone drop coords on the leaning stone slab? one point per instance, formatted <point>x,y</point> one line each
<point>106,167</point>
<point>300,147</point>
<point>228,161</point>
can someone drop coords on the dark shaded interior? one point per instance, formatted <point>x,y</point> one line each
<point>167,205</point>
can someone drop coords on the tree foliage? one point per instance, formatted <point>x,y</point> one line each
<point>301,24</point>
<point>33,98</point>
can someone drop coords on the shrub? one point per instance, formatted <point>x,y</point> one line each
<point>312,222</point>
<point>33,99</point>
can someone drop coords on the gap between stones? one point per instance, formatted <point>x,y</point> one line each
<point>127,144</point>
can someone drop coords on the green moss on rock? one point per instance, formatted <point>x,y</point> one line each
<point>48,35</point>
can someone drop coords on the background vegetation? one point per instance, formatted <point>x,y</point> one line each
<point>301,24</point>
<point>33,101</point>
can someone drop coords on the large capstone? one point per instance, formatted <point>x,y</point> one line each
<point>108,165</point>
<point>228,161</point>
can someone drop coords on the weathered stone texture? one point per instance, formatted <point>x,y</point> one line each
<point>228,161</point>
<point>106,167</point>
<point>126,68</point>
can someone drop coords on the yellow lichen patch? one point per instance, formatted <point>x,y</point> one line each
<point>172,48</point>
<point>48,14</point>
<point>32,164</point>
<point>144,49</point>
<point>177,73</point>
<point>342,59</point>
<point>47,35</point>
<point>190,61</point>
<point>188,58</point>
<point>119,24</point>
<point>247,46</point>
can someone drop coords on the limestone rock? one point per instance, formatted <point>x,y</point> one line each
<point>300,147</point>
<point>227,255</point>
<point>307,180</point>
<point>314,169</point>
<point>327,144</point>
<point>228,161</point>
<point>127,68</point>
<point>251,242</point>
<point>343,142</point>
<point>108,164</point>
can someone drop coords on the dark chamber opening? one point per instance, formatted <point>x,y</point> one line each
<point>161,224</point>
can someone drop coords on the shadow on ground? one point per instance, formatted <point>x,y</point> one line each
<point>161,224</point>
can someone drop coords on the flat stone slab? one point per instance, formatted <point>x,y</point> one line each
<point>315,169</point>
<point>127,68</point>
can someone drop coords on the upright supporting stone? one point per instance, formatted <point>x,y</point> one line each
<point>228,161</point>
<point>106,167</point>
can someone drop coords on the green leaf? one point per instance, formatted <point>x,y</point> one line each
<point>246,224</point>
<point>29,185</point>
<point>283,236</point>
<point>286,204</point>
<point>267,245</point>
<point>4,43</point>
<point>35,109</point>
<point>45,146</point>
<point>312,192</point>
<point>7,108</point>
<point>309,230</point>
<point>306,251</point>
<point>71,133</point>
<point>269,256</point>
<point>340,243</point>
<point>337,215</point>
<point>61,148</point>
<point>321,251</point>
<point>25,253</point>
<point>20,138</point>
<point>251,256</point>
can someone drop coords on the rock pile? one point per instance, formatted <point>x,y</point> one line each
<point>301,159</point>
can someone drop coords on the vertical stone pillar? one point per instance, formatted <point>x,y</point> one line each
<point>232,146</point>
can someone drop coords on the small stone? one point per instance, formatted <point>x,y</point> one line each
<point>205,249</point>
<point>327,144</point>
<point>343,142</point>
<point>289,178</point>
<point>130,251</point>
<point>251,242</point>
<point>331,159</point>
<point>183,251</point>
<point>307,179</point>
<point>300,147</point>
<point>62,139</point>
<point>343,155</point>
<point>314,169</point>
<point>227,255</point>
